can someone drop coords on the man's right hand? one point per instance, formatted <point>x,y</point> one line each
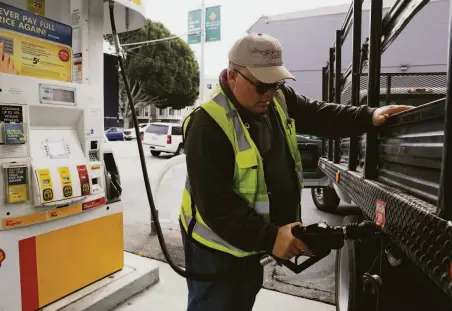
<point>286,245</point>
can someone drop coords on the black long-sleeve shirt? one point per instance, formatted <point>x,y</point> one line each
<point>210,164</point>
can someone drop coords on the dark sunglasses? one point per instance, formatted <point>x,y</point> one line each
<point>262,88</point>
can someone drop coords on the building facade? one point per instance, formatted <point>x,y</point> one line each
<point>306,37</point>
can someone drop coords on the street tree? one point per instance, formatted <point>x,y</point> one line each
<point>167,70</point>
<point>140,99</point>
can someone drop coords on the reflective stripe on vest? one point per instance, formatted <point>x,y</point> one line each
<point>282,102</point>
<point>221,100</point>
<point>261,207</point>
<point>187,185</point>
<point>209,235</point>
<point>300,175</point>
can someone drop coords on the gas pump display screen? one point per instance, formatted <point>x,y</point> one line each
<point>63,96</point>
<point>57,95</point>
<point>57,149</point>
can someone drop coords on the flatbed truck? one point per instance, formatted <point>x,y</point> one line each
<point>400,175</point>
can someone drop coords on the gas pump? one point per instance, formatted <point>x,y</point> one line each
<point>61,223</point>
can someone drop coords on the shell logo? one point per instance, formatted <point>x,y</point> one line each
<point>63,55</point>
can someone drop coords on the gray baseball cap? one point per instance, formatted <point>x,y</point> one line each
<point>261,54</point>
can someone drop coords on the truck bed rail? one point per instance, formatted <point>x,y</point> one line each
<point>400,175</point>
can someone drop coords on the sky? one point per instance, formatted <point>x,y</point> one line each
<point>236,17</point>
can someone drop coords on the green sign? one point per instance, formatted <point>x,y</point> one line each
<point>194,27</point>
<point>213,24</point>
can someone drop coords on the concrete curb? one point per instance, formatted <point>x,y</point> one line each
<point>138,274</point>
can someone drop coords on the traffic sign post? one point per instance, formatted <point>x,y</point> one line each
<point>204,25</point>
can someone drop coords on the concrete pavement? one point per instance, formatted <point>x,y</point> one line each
<point>171,294</point>
<point>315,283</point>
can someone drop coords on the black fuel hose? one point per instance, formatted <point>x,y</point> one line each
<point>202,277</point>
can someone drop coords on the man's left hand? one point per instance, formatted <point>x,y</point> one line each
<point>381,114</point>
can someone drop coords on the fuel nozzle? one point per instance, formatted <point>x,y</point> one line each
<point>320,237</point>
<point>362,231</point>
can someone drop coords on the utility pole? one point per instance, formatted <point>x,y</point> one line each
<point>203,39</point>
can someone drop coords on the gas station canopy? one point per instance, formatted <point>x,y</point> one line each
<point>129,15</point>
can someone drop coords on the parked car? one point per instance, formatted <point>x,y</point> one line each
<point>129,134</point>
<point>115,133</point>
<point>164,137</point>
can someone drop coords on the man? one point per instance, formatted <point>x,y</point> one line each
<point>244,182</point>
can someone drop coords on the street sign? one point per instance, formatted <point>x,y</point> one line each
<point>213,24</point>
<point>194,27</point>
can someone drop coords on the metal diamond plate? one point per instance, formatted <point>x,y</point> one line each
<point>410,222</point>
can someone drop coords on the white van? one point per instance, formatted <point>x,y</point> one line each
<point>129,134</point>
<point>164,137</point>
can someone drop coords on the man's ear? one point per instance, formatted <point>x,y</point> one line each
<point>232,76</point>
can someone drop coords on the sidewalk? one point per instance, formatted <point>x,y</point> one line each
<point>170,293</point>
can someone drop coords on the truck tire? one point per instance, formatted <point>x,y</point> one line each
<point>155,153</point>
<point>352,261</point>
<point>325,199</point>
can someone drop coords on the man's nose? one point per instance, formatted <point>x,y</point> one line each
<point>269,94</point>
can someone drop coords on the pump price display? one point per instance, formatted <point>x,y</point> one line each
<point>66,182</point>
<point>57,95</point>
<point>16,184</point>
<point>45,181</point>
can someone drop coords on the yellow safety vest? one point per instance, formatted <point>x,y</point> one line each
<point>249,179</point>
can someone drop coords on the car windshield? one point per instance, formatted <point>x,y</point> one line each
<point>157,129</point>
